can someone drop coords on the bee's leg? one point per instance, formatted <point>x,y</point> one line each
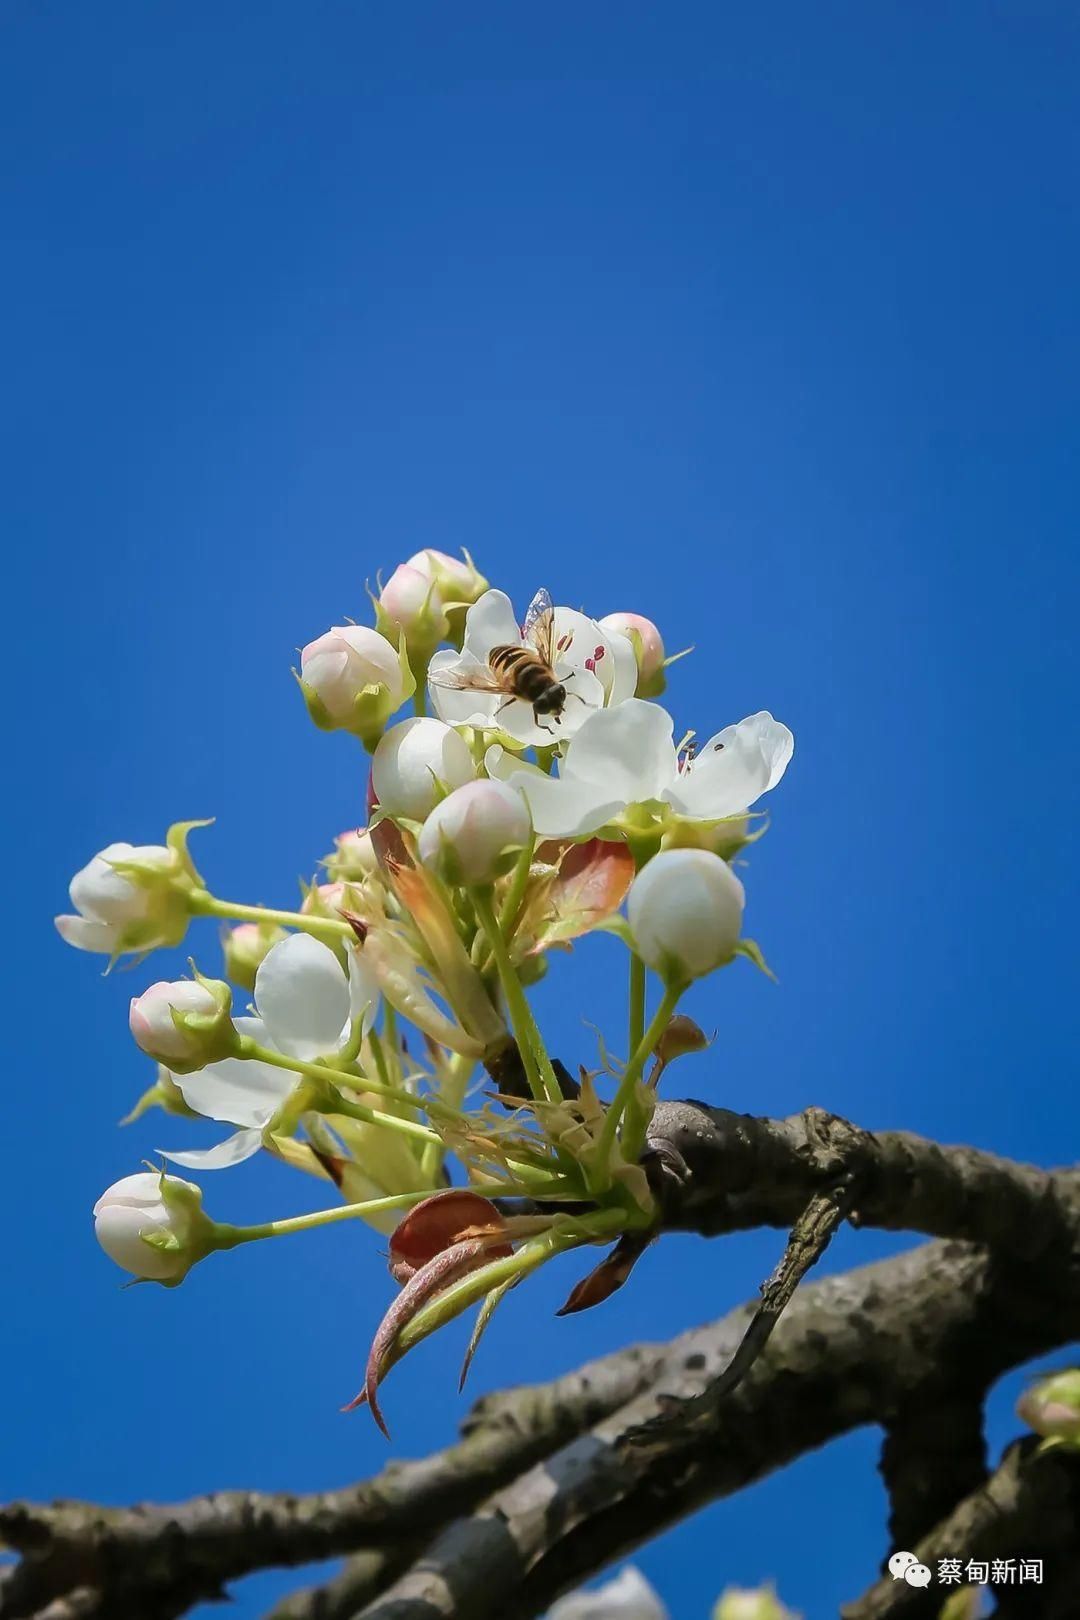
<point>577,695</point>
<point>540,727</point>
<point>505,704</point>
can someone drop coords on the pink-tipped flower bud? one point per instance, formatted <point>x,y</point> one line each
<point>153,1226</point>
<point>354,857</point>
<point>353,679</point>
<point>1052,1407</point>
<point>416,764</point>
<point>186,1024</point>
<point>685,910</point>
<point>245,947</point>
<point>458,581</point>
<point>476,833</point>
<point>648,647</point>
<point>410,604</point>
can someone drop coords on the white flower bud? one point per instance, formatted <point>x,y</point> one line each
<point>186,1024</point>
<point>410,603</point>
<point>685,910</point>
<point>353,679</point>
<point>245,947</point>
<point>153,1226</point>
<point>648,646</point>
<point>354,857</point>
<point>130,897</point>
<point>417,763</point>
<point>1052,1407</point>
<point>459,581</point>
<point>476,833</point>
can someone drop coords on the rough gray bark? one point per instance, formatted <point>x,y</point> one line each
<point>550,1483</point>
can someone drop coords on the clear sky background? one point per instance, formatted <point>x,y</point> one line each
<point>761,320</point>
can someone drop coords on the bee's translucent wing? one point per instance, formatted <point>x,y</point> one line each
<point>539,626</point>
<point>479,679</point>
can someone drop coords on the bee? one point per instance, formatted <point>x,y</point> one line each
<point>519,672</point>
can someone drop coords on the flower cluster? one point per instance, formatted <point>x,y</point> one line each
<point>544,798</point>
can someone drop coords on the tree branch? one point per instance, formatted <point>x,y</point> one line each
<point>725,1172</point>
<point>1030,1508</point>
<point>848,1348</point>
<point>566,1476</point>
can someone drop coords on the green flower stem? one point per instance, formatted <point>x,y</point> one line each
<point>541,1076</point>
<point>249,1048</point>
<point>230,1237</point>
<point>329,1099</point>
<point>457,1078</point>
<point>420,699</point>
<point>515,892</point>
<point>623,1102</point>
<point>204,904</point>
<point>637,1002</point>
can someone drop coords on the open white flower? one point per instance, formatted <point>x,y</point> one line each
<point>599,665</point>
<point>628,1597</point>
<point>626,757</point>
<point>306,1007</point>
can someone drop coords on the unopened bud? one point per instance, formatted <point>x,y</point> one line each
<point>416,764</point>
<point>1052,1407</point>
<point>685,910</point>
<point>153,1226</point>
<point>648,647</point>
<point>185,1024</point>
<point>245,947</point>
<point>354,679</point>
<point>476,833</point>
<point>354,857</point>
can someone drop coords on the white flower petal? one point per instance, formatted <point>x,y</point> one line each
<point>302,996</point>
<point>627,750</point>
<point>234,1150</point>
<point>625,678</point>
<point>734,768</point>
<point>135,1191</point>
<point>236,1092</point>
<point>490,622</point>
<point>363,990</point>
<point>103,894</point>
<point>87,935</point>
<point>565,807</point>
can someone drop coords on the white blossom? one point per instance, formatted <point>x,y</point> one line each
<point>306,1007</point>
<point>597,667</point>
<point>626,757</point>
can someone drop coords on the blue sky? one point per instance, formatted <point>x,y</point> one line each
<point>760,320</point>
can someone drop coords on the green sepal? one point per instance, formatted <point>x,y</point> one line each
<point>753,953</point>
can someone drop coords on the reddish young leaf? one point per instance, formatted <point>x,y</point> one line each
<point>591,883</point>
<point>609,1276</point>
<point>436,1224</point>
